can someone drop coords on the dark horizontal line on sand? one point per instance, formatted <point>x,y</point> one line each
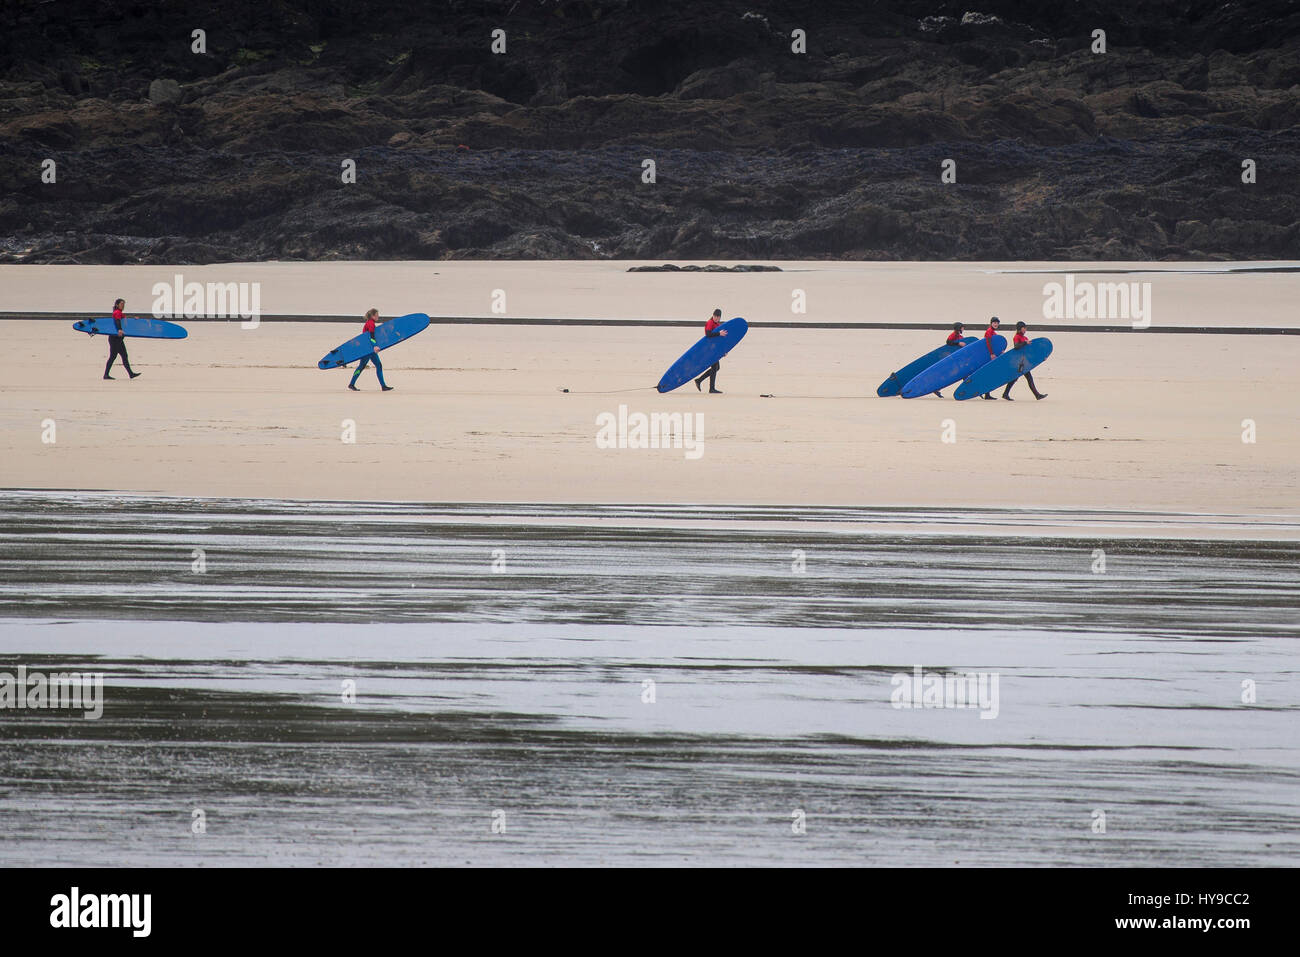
<point>1207,271</point>
<point>1039,327</point>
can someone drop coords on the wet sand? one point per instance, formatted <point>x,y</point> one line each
<point>523,692</point>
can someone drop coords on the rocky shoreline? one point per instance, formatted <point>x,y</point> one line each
<point>759,153</point>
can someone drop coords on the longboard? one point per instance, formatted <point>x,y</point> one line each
<point>954,368</point>
<point>703,354</point>
<point>387,335</point>
<point>894,384</point>
<point>1005,368</point>
<point>139,328</point>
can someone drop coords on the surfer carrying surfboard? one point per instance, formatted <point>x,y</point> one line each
<point>712,331</point>
<point>954,340</point>
<point>369,330</point>
<point>1019,342</point>
<point>117,343</point>
<point>989,333</point>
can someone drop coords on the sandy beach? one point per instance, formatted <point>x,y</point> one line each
<point>517,607</point>
<point>1134,421</point>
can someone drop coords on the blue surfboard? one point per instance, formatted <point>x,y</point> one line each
<point>703,354</point>
<point>894,384</point>
<point>140,328</point>
<point>387,334</point>
<point>954,368</point>
<point>1005,368</point>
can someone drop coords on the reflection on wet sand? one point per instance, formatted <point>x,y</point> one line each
<point>355,684</point>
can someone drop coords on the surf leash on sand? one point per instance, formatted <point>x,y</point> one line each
<point>608,392</point>
<point>763,395</point>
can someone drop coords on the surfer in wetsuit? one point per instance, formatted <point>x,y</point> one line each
<point>989,333</point>
<point>1019,342</point>
<point>954,339</point>
<point>369,329</point>
<point>117,343</point>
<point>711,330</point>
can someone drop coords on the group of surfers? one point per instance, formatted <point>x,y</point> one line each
<point>1019,341</point>
<point>712,328</point>
<point>117,347</point>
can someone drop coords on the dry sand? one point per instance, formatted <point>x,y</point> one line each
<point>1148,422</point>
<point>940,293</point>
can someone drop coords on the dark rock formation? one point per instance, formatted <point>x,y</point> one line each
<point>165,155</point>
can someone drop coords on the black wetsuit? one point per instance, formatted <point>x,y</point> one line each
<point>1019,342</point>
<point>712,372</point>
<point>117,347</point>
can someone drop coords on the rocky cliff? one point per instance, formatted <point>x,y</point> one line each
<point>163,154</point>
